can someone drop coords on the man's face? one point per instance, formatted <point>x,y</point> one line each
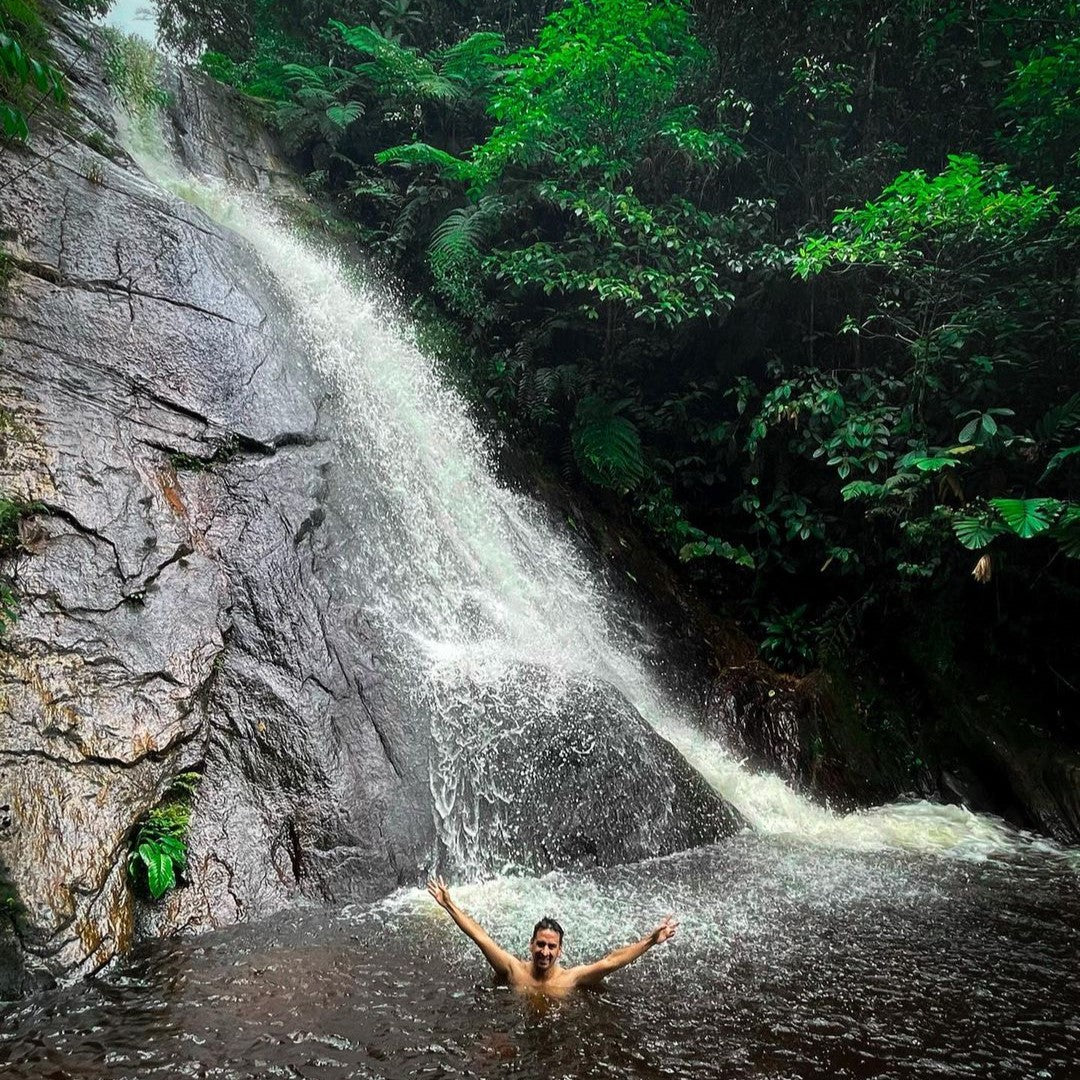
<point>545,949</point>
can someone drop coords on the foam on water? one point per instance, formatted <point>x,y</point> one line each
<point>466,579</point>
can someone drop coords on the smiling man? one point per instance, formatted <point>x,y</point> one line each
<point>542,972</point>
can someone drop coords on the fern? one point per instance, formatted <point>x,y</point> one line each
<point>1060,420</point>
<point>368,184</point>
<point>407,223</point>
<point>474,62</point>
<point>462,233</point>
<point>454,253</point>
<point>343,115</point>
<point>304,77</point>
<point>394,70</point>
<point>540,388</point>
<point>418,154</point>
<point>1067,531</point>
<point>315,112</point>
<point>607,447</point>
<point>1058,459</point>
<point>536,391</point>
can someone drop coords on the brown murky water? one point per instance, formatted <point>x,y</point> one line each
<point>792,963</point>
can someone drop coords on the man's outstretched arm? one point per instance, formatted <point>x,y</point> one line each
<point>593,973</point>
<point>495,955</point>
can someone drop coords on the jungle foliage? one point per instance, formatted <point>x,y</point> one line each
<point>798,282</point>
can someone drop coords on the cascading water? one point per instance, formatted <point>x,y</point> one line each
<point>472,587</point>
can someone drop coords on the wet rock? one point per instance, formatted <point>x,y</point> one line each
<point>545,770</point>
<point>181,601</point>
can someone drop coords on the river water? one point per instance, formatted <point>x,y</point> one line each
<point>793,962</point>
<point>907,941</point>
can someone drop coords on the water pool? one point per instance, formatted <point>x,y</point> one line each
<point>793,962</point>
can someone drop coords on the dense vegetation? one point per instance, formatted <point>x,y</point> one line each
<point>797,282</point>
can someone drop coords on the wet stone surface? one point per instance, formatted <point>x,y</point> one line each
<point>178,608</point>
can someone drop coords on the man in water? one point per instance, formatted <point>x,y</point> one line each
<point>542,972</point>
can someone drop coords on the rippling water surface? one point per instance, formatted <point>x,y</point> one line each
<point>792,962</point>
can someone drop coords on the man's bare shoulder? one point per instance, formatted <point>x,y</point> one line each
<point>584,974</point>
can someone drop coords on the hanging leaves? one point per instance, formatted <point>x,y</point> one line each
<point>21,69</point>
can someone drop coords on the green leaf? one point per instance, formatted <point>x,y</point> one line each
<point>862,489</point>
<point>13,121</point>
<point>174,848</point>
<point>160,876</point>
<point>1058,458</point>
<point>450,167</point>
<point>935,464</point>
<point>343,115</point>
<point>1026,517</point>
<point>925,461</point>
<point>975,533</point>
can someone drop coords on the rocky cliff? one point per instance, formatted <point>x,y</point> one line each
<point>174,578</point>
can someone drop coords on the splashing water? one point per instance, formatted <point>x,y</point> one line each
<point>467,581</point>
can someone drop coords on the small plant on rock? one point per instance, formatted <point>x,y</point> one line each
<point>12,512</point>
<point>159,852</point>
<point>131,70</point>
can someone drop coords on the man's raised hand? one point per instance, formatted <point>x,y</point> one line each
<point>439,891</point>
<point>666,930</point>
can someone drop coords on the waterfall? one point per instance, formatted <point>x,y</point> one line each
<point>472,588</point>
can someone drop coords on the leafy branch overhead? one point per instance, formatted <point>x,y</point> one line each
<point>22,74</point>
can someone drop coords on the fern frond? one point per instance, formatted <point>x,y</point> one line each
<point>473,62</point>
<point>368,184</point>
<point>450,167</point>
<point>407,222</point>
<point>607,446</point>
<point>536,391</point>
<point>325,79</point>
<point>1060,420</point>
<point>462,233</point>
<point>343,115</point>
<point>396,71</point>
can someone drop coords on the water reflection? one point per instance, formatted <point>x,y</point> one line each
<point>792,962</point>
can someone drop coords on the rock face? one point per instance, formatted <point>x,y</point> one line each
<point>856,738</point>
<point>573,777</point>
<point>177,599</point>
